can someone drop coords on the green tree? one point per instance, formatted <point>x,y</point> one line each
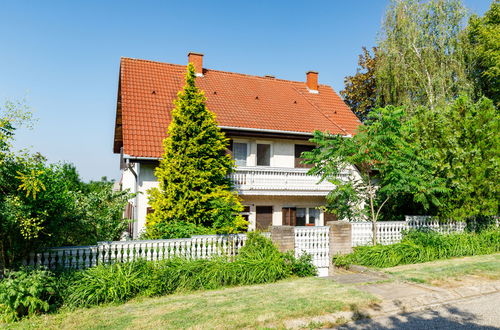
<point>387,165</point>
<point>100,209</point>
<point>45,205</point>
<point>195,194</point>
<point>360,90</point>
<point>462,142</point>
<point>422,54</point>
<point>484,36</point>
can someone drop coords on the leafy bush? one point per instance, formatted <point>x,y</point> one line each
<point>33,291</point>
<point>108,283</point>
<point>27,292</point>
<point>302,266</point>
<point>422,246</point>
<point>259,261</point>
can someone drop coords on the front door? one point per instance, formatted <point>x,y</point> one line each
<point>264,217</point>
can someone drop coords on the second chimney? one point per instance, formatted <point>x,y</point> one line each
<point>312,81</point>
<point>197,60</point>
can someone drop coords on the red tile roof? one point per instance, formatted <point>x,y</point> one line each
<point>147,90</point>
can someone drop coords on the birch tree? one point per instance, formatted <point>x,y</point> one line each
<point>421,54</point>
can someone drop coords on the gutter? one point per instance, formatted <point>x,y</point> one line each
<point>265,130</point>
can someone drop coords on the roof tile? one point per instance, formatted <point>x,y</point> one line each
<point>148,90</point>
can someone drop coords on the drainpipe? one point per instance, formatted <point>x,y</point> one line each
<point>136,198</point>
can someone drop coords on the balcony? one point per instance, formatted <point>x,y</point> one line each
<point>278,181</point>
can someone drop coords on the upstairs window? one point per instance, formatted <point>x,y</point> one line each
<point>299,149</point>
<point>263,154</point>
<point>240,152</point>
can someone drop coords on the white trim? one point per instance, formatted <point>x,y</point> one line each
<point>313,91</point>
<point>125,156</point>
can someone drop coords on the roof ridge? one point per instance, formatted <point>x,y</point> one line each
<point>227,72</point>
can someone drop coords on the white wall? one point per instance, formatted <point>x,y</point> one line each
<point>282,151</point>
<point>282,155</point>
<point>146,181</point>
<point>278,202</point>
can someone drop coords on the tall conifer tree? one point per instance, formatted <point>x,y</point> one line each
<point>195,195</point>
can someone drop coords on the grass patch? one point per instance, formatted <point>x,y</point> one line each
<point>423,246</point>
<point>452,271</point>
<point>248,306</point>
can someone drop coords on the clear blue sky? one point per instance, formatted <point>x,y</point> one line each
<point>64,56</point>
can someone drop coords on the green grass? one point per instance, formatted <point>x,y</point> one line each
<point>458,271</point>
<point>249,306</point>
<point>423,246</point>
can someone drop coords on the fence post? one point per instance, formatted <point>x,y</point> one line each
<point>283,237</point>
<point>340,237</point>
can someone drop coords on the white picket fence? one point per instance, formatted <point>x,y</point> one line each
<point>197,247</point>
<point>315,242</point>
<point>390,232</point>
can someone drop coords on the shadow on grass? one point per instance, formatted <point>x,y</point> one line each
<point>448,317</point>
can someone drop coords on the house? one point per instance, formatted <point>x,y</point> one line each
<point>268,120</point>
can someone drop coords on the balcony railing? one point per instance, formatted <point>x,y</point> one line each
<point>280,181</point>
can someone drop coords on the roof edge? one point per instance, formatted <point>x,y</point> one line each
<point>250,129</point>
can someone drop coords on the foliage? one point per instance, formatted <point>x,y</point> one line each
<point>388,164</point>
<point>43,205</point>
<point>421,58</point>
<point>193,173</point>
<point>360,89</point>
<point>302,266</point>
<point>27,292</point>
<point>100,209</point>
<point>107,283</point>
<point>484,36</point>
<point>423,246</point>
<point>259,261</point>
<point>462,143</point>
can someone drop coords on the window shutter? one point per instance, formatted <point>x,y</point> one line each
<point>330,217</point>
<point>299,149</point>
<point>289,216</point>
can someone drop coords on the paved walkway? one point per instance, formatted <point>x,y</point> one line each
<point>416,306</point>
<point>480,312</point>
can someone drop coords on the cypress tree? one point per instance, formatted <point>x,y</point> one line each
<point>195,195</point>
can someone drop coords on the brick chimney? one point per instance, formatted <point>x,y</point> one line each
<point>312,81</point>
<point>197,60</point>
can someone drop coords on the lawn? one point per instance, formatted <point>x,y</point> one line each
<point>451,271</point>
<point>248,306</point>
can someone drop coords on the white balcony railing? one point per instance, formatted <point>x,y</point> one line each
<point>279,181</point>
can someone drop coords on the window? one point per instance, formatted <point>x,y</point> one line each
<point>263,154</point>
<point>240,153</point>
<point>299,149</point>
<point>246,212</point>
<point>313,216</point>
<point>300,216</point>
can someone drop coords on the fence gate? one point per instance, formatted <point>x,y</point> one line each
<point>315,242</point>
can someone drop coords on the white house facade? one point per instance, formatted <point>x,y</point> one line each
<point>269,122</point>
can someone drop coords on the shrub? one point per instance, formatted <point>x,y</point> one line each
<point>301,266</point>
<point>26,292</point>
<point>259,261</point>
<point>108,283</point>
<point>34,291</point>
<point>422,246</point>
